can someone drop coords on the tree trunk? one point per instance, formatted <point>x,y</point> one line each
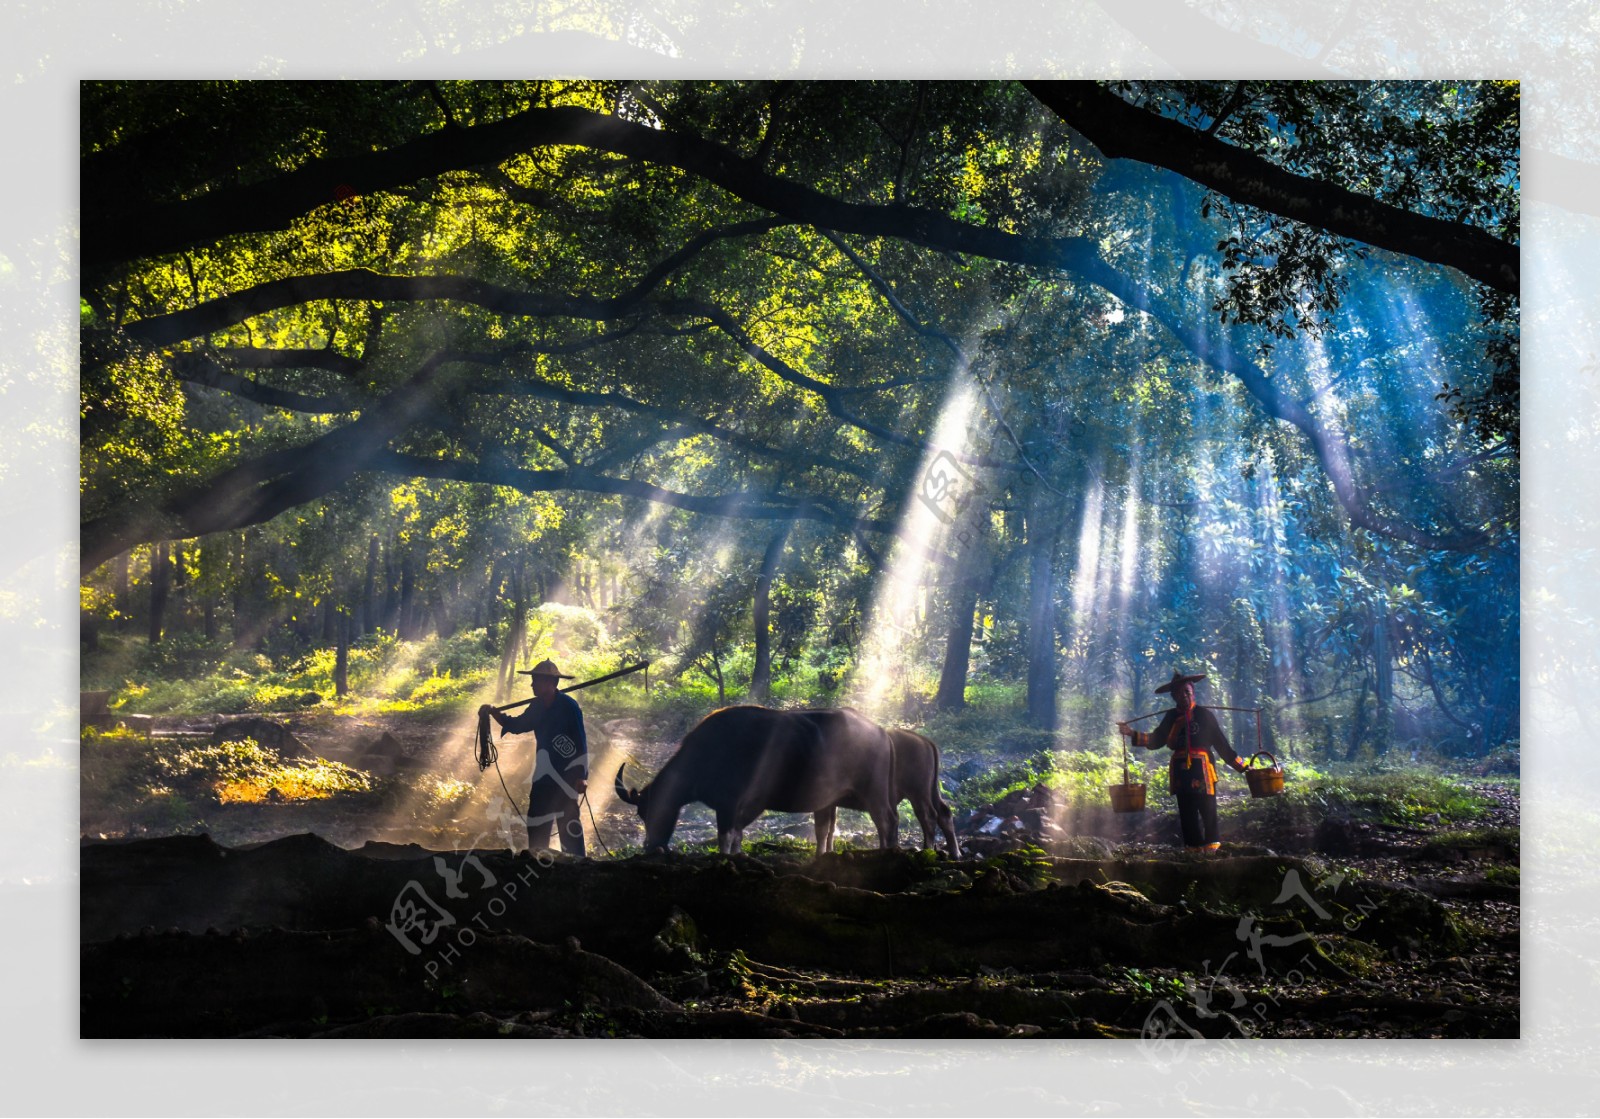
<point>1358,728</point>
<point>1237,692</point>
<point>160,577</point>
<point>119,584</point>
<point>408,598</point>
<point>1042,527</point>
<point>716,674</point>
<point>519,623</point>
<point>391,600</point>
<point>1383,664</point>
<point>761,674</point>
<point>341,655</point>
<point>952,691</point>
<point>241,582</point>
<point>178,595</point>
<point>1138,686</point>
<point>368,619</point>
<point>443,622</point>
<point>488,614</point>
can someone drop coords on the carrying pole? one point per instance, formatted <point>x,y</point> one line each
<point>574,687</point>
<point>1211,706</point>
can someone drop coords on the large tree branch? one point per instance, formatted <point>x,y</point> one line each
<point>1125,131</point>
<point>832,398</point>
<point>747,504</point>
<point>197,368</point>
<point>114,232</point>
<point>263,357</point>
<point>254,208</point>
<point>260,488</point>
<point>363,284</point>
<point>543,390</point>
<point>360,283</point>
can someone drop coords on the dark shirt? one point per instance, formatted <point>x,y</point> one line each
<point>1204,733</point>
<point>558,732</point>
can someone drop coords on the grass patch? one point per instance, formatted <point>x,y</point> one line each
<point>1400,798</point>
<point>777,845</point>
<point>1027,864</point>
<point>162,787</point>
<point>1077,778</point>
<point>1405,798</point>
<point>245,772</point>
<point>1503,875</point>
<point>302,780</point>
<point>1502,842</point>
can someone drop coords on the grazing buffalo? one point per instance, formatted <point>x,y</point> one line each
<point>743,761</point>
<point>916,778</point>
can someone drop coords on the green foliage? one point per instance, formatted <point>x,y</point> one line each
<point>1402,797</point>
<point>1078,778</point>
<point>1189,526</point>
<point>162,787</point>
<point>1155,985</point>
<point>1027,864</point>
<point>385,674</point>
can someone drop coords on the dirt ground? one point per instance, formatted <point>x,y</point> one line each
<point>395,913</point>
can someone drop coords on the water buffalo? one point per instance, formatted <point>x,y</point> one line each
<point>743,761</point>
<point>916,778</point>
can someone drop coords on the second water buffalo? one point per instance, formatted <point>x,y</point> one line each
<point>916,778</point>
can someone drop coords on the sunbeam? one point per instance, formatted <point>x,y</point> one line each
<point>943,494</point>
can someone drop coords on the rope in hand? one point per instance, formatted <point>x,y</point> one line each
<point>595,825</point>
<point>489,755</point>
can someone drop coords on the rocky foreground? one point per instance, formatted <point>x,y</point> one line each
<point>297,937</point>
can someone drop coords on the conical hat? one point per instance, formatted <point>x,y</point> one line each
<point>1179,678</point>
<point>546,667</point>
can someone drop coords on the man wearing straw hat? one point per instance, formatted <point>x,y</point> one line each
<point>1191,732</point>
<point>561,759</point>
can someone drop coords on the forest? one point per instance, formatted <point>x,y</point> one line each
<point>980,407</point>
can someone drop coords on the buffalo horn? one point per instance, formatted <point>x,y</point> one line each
<point>625,794</point>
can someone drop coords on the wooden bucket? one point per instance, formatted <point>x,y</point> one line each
<point>1127,798</point>
<point>1267,780</point>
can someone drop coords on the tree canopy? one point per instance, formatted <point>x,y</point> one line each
<point>1244,339</point>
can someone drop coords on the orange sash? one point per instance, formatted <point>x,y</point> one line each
<point>1184,776</point>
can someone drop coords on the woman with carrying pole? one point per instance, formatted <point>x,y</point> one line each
<point>1191,732</point>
